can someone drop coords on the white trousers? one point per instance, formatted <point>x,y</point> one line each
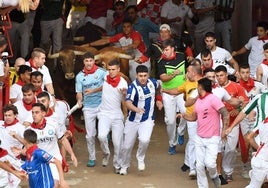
<point>190,157</point>
<point>172,104</point>
<point>258,173</point>
<point>90,116</point>
<point>229,151</point>
<point>206,150</point>
<point>106,124</point>
<point>133,129</point>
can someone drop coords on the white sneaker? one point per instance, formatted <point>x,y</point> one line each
<point>105,160</point>
<point>123,171</point>
<point>192,174</point>
<point>141,166</point>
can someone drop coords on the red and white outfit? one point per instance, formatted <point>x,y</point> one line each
<point>8,180</point>
<point>124,40</point>
<point>255,57</point>
<point>259,161</point>
<point>252,89</point>
<point>208,137</point>
<point>229,152</point>
<point>7,141</point>
<point>111,117</point>
<point>44,70</point>
<point>25,110</point>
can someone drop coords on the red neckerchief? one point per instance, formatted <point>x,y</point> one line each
<point>28,107</point>
<point>207,93</point>
<point>49,113</point>
<point>29,152</point>
<point>91,71</point>
<point>204,68</point>
<point>3,152</point>
<point>39,126</point>
<point>32,64</point>
<point>265,62</point>
<point>263,38</point>
<point>10,124</point>
<point>20,82</point>
<point>113,81</point>
<point>265,120</point>
<point>173,56</point>
<point>214,86</point>
<point>248,85</point>
<point>38,91</point>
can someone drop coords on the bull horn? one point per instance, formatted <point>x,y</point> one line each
<point>79,39</point>
<point>125,56</point>
<point>53,56</point>
<point>79,52</point>
<point>97,57</point>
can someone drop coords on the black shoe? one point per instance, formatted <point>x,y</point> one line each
<point>184,167</point>
<point>223,180</point>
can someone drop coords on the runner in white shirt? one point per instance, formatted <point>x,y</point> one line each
<point>218,53</point>
<point>113,95</point>
<point>25,105</point>
<point>262,69</point>
<point>9,124</point>
<point>208,62</point>
<point>252,88</point>
<point>37,62</point>
<point>48,135</point>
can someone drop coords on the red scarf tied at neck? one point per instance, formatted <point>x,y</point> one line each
<point>248,85</point>
<point>39,126</point>
<point>3,152</point>
<point>113,81</point>
<point>28,107</point>
<point>32,64</point>
<point>91,71</point>
<point>29,152</point>
<point>20,82</point>
<point>265,62</point>
<point>263,38</point>
<point>12,123</point>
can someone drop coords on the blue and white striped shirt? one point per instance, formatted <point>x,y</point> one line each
<point>142,97</point>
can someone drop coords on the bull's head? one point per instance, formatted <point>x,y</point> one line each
<point>67,59</point>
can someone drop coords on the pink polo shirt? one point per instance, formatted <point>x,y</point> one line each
<point>208,117</point>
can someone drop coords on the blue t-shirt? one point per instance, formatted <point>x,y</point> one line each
<point>38,169</point>
<point>91,81</point>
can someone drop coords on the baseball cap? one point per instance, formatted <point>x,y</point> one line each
<point>165,27</point>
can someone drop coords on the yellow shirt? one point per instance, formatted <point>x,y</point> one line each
<point>13,76</point>
<point>187,88</point>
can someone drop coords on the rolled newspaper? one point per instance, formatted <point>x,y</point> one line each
<point>74,108</point>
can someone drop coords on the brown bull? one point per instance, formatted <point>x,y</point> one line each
<point>105,55</point>
<point>68,59</point>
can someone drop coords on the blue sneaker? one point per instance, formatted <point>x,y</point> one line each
<point>172,150</point>
<point>180,139</point>
<point>91,163</point>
